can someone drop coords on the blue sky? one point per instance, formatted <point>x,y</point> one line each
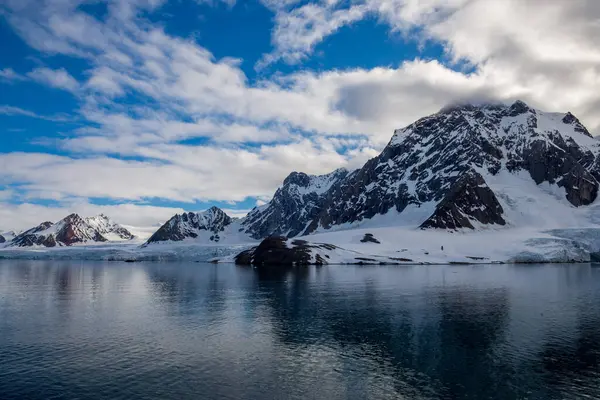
<point>143,108</point>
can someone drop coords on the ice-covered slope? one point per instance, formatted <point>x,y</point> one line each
<point>448,165</point>
<point>8,236</point>
<point>210,226</point>
<point>108,228</point>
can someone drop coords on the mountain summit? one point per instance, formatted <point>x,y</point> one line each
<point>190,225</point>
<point>108,228</point>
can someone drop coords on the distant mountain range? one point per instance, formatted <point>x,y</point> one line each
<point>72,230</point>
<point>465,167</point>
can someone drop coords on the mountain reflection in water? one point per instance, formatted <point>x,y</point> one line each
<point>175,331</point>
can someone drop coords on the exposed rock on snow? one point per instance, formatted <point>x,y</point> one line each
<point>275,251</point>
<point>189,225</point>
<point>369,238</point>
<point>469,200</point>
<point>2,239</point>
<point>8,236</point>
<point>278,251</point>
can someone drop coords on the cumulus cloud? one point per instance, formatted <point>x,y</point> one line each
<point>175,172</point>
<point>542,51</point>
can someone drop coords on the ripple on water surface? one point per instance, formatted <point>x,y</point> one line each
<point>189,331</point>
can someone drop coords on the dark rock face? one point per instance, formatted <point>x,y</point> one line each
<point>274,251</point>
<point>34,240</point>
<point>2,239</point>
<point>425,161</point>
<point>369,238</point>
<point>470,199</point>
<point>188,225</point>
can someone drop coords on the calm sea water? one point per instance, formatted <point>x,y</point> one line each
<point>201,331</point>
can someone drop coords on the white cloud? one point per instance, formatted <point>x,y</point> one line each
<point>298,31</point>
<point>9,75</point>
<point>252,135</point>
<point>176,172</point>
<point>144,218</point>
<point>11,110</point>
<point>58,78</point>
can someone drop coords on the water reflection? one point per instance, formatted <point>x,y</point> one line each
<point>220,331</point>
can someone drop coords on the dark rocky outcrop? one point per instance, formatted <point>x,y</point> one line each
<point>2,239</point>
<point>276,251</point>
<point>469,199</point>
<point>369,238</point>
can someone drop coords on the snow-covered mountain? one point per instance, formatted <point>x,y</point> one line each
<point>70,230</point>
<point>295,207</point>
<point>437,172</point>
<point>108,228</point>
<point>208,225</point>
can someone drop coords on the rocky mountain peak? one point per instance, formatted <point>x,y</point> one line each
<point>297,178</point>
<point>570,119</point>
<point>108,228</point>
<point>190,225</point>
<point>294,205</point>
<point>519,107</point>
